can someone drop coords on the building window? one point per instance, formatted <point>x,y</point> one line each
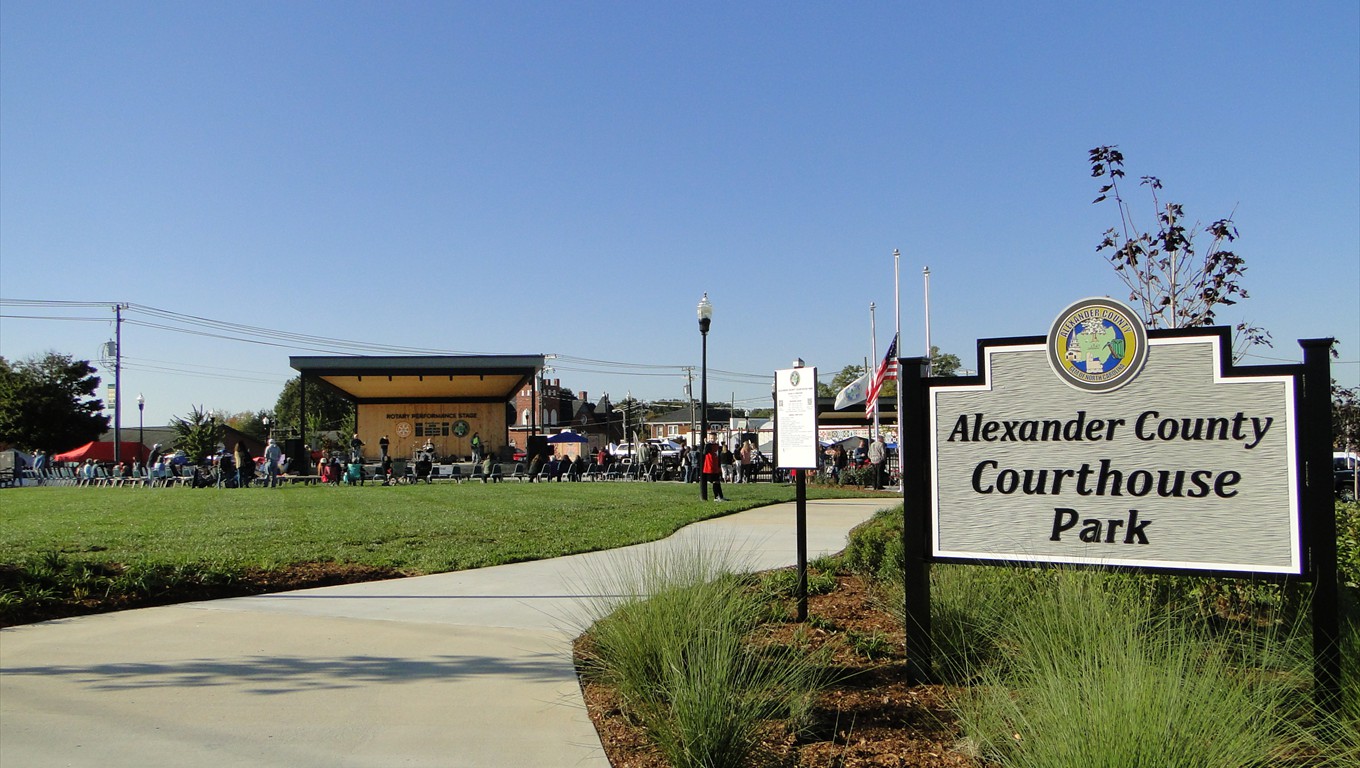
<point>526,416</point>
<point>552,416</point>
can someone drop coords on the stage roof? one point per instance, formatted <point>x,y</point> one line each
<point>465,378</point>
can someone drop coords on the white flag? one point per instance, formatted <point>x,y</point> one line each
<point>853,392</point>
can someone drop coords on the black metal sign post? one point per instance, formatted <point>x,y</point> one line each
<point>911,434</point>
<point>800,504</point>
<point>1319,518</point>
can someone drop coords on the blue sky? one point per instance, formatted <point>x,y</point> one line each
<point>570,178</point>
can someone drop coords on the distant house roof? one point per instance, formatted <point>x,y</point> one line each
<point>688,415</point>
<point>231,436</point>
<point>166,436</point>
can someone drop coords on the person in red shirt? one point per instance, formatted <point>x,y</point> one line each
<point>711,472</point>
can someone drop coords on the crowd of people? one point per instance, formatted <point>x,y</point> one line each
<point>710,465</point>
<point>160,468</point>
<point>873,454</point>
<point>236,468</point>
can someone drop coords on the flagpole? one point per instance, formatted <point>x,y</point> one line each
<point>873,355</point>
<point>897,297</point>
<point>929,365</point>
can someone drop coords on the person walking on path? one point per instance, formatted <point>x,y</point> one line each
<point>644,461</point>
<point>356,449</point>
<point>878,459</point>
<point>711,472</point>
<point>273,458</point>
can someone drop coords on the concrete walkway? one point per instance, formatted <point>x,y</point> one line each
<point>471,668</point>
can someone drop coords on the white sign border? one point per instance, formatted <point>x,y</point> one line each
<point>1295,566</point>
<point>797,454</point>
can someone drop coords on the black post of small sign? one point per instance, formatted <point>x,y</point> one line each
<point>1319,514</point>
<point>915,520</point>
<point>800,503</point>
<point>800,515</point>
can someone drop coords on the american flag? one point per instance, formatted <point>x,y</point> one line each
<point>886,370</point>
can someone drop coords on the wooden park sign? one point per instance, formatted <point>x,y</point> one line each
<point>1104,445</point>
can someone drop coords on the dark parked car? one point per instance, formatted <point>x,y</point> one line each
<point>1343,475</point>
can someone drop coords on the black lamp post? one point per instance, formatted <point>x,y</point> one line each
<point>267,433</point>
<point>705,319</point>
<point>141,444</point>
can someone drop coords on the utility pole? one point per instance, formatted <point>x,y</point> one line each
<point>117,382</point>
<point>689,393</point>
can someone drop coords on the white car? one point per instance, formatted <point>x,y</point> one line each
<point>667,449</point>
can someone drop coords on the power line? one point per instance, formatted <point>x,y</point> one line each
<point>56,317</point>
<point>1288,360</point>
<point>195,365</point>
<point>200,374</point>
<point>192,325</point>
<point>51,303</point>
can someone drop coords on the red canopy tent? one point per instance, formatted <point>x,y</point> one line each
<point>100,451</point>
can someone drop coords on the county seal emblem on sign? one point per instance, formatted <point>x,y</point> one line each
<point>1097,345</point>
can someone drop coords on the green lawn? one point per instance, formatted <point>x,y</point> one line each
<point>48,535</point>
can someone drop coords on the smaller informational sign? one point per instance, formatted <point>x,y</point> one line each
<point>796,418</point>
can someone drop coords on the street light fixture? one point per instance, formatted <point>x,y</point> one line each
<point>267,433</point>
<point>141,444</point>
<point>705,312</point>
<point>212,424</point>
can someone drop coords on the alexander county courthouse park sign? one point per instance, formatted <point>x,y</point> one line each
<point>1102,444</point>
<point>1098,445</point>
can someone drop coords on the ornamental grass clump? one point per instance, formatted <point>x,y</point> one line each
<point>672,638</point>
<point>1094,677</point>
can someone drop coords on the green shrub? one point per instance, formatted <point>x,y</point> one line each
<point>1094,676</point>
<point>869,541</point>
<point>870,645</point>
<point>783,583</point>
<point>1339,733</point>
<point>1219,669</point>
<point>676,650</point>
<point>826,564</point>
<point>861,476</point>
<point>1348,543</point>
